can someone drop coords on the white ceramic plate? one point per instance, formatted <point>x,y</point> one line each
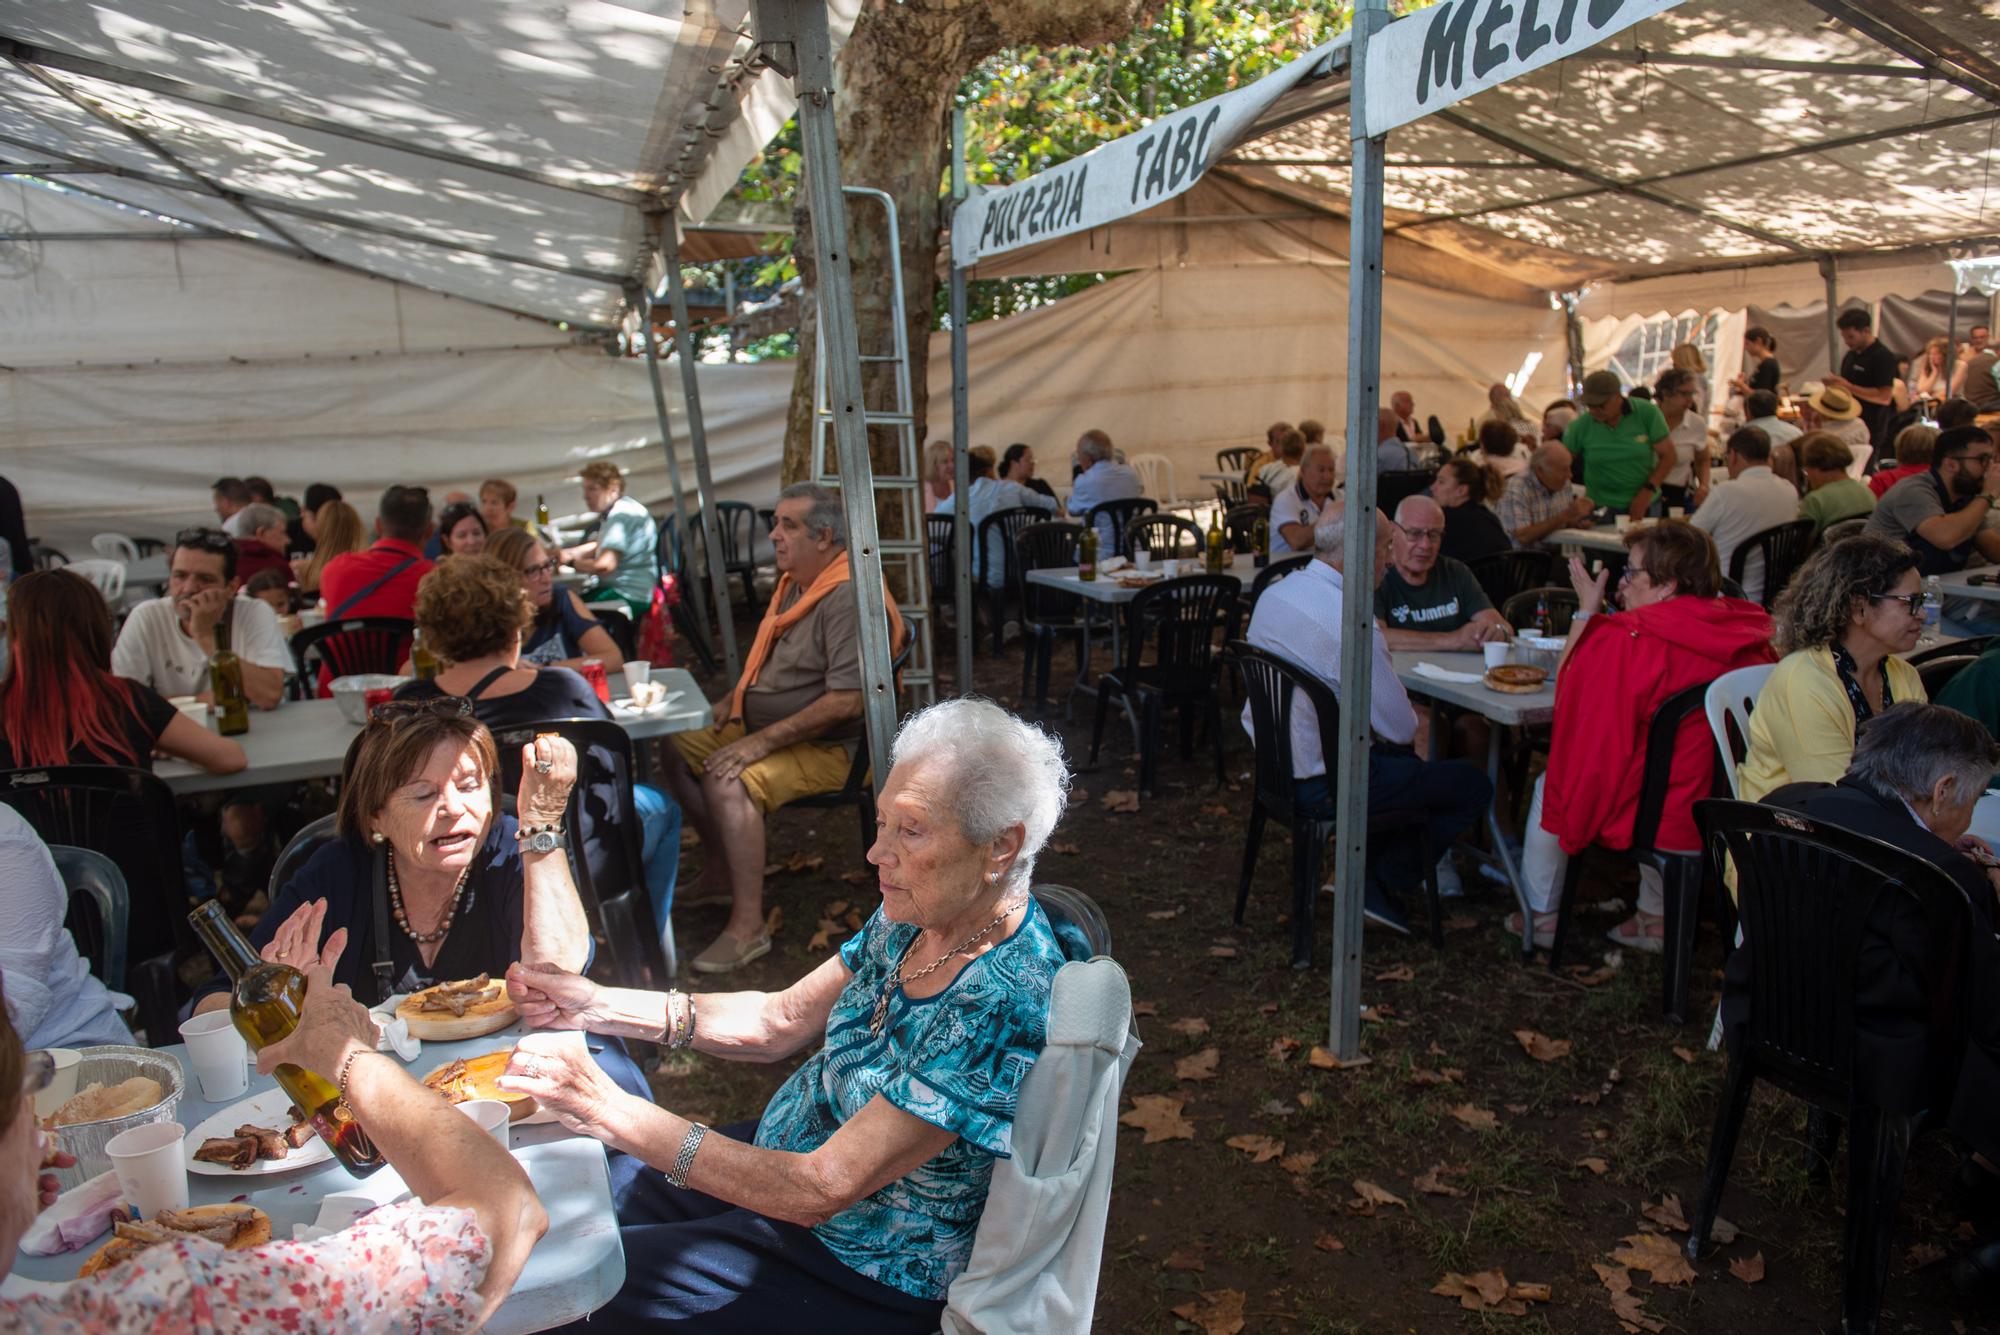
<point>266,1109</point>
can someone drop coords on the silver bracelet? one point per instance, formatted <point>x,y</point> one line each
<point>678,1174</point>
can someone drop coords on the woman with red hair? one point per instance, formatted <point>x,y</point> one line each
<point>60,705</point>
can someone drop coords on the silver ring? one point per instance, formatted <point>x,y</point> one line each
<point>544,766</point>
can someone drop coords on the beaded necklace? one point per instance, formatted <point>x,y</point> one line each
<point>403,918</point>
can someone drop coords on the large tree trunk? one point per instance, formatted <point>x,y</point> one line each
<point>896,76</point>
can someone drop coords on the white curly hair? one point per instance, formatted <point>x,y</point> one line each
<point>1000,771</point>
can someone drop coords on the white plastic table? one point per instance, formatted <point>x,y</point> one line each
<point>1106,588</point>
<point>1960,584</point>
<point>577,1267</point>
<point>1606,539</point>
<point>308,739</point>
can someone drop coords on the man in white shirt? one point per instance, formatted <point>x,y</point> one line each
<point>1103,479</point>
<point>1754,499</point>
<point>987,495</point>
<point>1297,509</point>
<point>52,999</point>
<point>1299,619</point>
<point>167,642</point>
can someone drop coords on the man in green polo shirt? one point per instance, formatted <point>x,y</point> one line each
<point>1622,444</point>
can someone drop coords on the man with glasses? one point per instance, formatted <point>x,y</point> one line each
<point>166,642</point>
<point>1941,515</point>
<point>1752,500</point>
<point>1431,602</point>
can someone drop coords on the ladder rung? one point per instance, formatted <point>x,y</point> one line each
<point>877,419</point>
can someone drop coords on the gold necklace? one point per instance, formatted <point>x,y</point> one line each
<point>880,1014</point>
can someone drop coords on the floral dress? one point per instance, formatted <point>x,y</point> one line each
<point>404,1268</point>
<point>956,1060</point>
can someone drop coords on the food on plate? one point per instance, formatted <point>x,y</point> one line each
<point>235,1226</point>
<point>97,1102</point>
<point>468,1008</point>
<point>473,1077</point>
<point>229,1151</point>
<point>1516,677</point>
<point>251,1144</point>
<point>646,694</point>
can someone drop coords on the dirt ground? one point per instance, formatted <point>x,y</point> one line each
<point>1552,1129</point>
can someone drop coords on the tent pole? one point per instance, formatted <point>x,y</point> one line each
<point>801,26</point>
<point>1951,338</point>
<point>1831,275</point>
<point>645,304</point>
<point>961,431</point>
<point>704,482</point>
<point>1573,344</point>
<point>1357,626</point>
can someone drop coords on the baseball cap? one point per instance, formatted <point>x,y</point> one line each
<point>1600,387</point>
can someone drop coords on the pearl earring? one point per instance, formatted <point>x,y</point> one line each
<point>379,838</point>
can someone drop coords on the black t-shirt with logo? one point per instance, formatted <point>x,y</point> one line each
<point>1445,601</point>
<point>1874,367</point>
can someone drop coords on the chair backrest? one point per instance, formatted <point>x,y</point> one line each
<point>1783,547</point>
<point>1157,472</point>
<point>108,576</point>
<point>1079,924</point>
<point>1519,611</point>
<point>1163,535</point>
<point>1504,574</point>
<point>49,558</point>
<point>1805,892</point>
<point>1841,530</point>
<point>995,541</point>
<point>148,546</point>
<point>115,547</point>
<point>298,850</point>
<point>100,908</point>
<point>1116,515</point>
<point>1396,486</point>
<point>1050,545</point>
<point>1729,701</point>
<point>940,552</point>
<point>736,522</point>
<point>1974,645</point>
<point>671,550</point>
<point>350,646</point>
<point>1662,740</point>
<point>1272,686</point>
<point>126,814</point>
<point>1271,574</point>
<point>1239,526</point>
<point>1236,459</point>
<point>1937,673</point>
<point>1179,619</point>
<point>1231,493</point>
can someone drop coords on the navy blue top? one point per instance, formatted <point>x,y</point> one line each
<point>561,637</point>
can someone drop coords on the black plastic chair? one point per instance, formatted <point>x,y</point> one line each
<point>1519,611</point>
<point>1162,535</point>
<point>859,790</point>
<point>1971,646</point>
<point>1117,516</point>
<point>995,537</point>
<point>1841,530</point>
<point>1236,459</point>
<point>99,915</point>
<point>1937,672</point>
<point>1077,921</point>
<point>1394,487</point>
<point>1784,548</point>
<point>1239,526</point>
<point>347,647</point>
<point>1805,891</point>
<point>49,558</point>
<point>1048,616</point>
<point>1231,494</point>
<point>1504,574</point>
<point>1271,574</point>
<point>1680,872</point>
<point>736,523</point>
<point>298,850</point>
<point>1180,617</point>
<point>127,815</point>
<point>1272,685</point>
<point>941,558</point>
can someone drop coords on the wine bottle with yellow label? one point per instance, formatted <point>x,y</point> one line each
<point>264,1003</point>
<point>225,685</point>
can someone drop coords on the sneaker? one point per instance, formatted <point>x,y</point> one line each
<point>1449,886</point>
<point>1379,911</point>
<point>728,953</point>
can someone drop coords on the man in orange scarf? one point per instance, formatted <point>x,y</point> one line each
<point>784,731</point>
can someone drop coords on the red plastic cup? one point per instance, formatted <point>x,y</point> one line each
<point>380,695</point>
<point>600,681</point>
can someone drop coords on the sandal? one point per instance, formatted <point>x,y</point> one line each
<point>1545,928</point>
<point>1644,932</point>
<point>728,953</point>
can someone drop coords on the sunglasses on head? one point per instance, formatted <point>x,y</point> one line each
<point>392,712</point>
<point>205,539</point>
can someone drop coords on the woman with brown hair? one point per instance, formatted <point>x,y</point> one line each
<point>1928,379</point>
<point>337,531</point>
<point>60,704</point>
<point>564,632</point>
<point>1462,488</point>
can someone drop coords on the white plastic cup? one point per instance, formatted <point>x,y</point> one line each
<point>1676,512</point>
<point>1170,566</point>
<point>493,1117</point>
<point>220,1057</point>
<point>1624,522</point>
<point>1496,652</point>
<point>151,1170</point>
<point>1142,558</point>
<point>62,1085</point>
<point>637,674</point>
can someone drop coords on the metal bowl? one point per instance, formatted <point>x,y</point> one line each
<point>351,693</point>
<point>108,1066</point>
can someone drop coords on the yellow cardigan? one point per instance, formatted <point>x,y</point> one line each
<point>1802,729</point>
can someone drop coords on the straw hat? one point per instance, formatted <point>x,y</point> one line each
<point>1834,403</point>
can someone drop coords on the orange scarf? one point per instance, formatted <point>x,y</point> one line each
<point>776,623</point>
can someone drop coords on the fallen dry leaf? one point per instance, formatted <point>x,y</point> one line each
<point>1431,1182</point>
<point>1625,1304</point>
<point>1323,1059</point>
<point>1218,1313</point>
<point>1595,1165</point>
<point>1422,1075</point>
<point>1685,1054</point>
<point>1283,1048</point>
<point>853,921</point>
<point>1657,1255</point>
<point>1518,1109</point>
<point>1402,973</point>
<point>1367,1196</point>
<point>1217,809</point>
<point>1588,1098</point>
<point>1067,850</point>
<point>1183,1260</point>
<point>1307,1098</point>
<point>1078,794</point>
<point>1193,1026</point>
<point>1749,1269</point>
<point>1164,915</point>
<point>824,936</point>
<point>1722,1232</point>
<point>1201,1066</point>
<point>1460,922</point>
<point>1435,1051</point>
<point>1921,1255</point>
<point>1261,1149</point>
<point>1159,1116</point>
<point>1475,1118</point>
<point>1145,1008</point>
<point>1222,952</point>
<point>1121,799</point>
<point>836,908</point>
<point>1489,1291</point>
<point>1540,1046</point>
<point>1326,1242</point>
<point>1667,1214</point>
<point>859,877</point>
<point>1298,1165</point>
<point>1268,1008</point>
<point>771,921</point>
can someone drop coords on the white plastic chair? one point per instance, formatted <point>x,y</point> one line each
<point>108,576</point>
<point>115,547</point>
<point>1730,699</point>
<point>1157,472</point>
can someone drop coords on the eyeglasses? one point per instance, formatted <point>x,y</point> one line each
<point>1630,571</point>
<point>1972,460</point>
<point>392,712</point>
<point>205,539</point>
<point>547,567</point>
<point>1912,601</point>
<point>1423,534</point>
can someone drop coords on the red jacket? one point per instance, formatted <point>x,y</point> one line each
<point>1625,665</point>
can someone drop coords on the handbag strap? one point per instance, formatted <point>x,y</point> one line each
<point>384,969</point>
<point>353,598</point>
<point>479,688</point>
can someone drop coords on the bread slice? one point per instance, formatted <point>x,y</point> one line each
<point>450,1012</point>
<point>236,1226</point>
<point>97,1102</point>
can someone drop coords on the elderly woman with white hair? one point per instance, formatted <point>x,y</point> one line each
<point>852,1203</point>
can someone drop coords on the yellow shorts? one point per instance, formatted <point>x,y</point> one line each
<point>799,770</point>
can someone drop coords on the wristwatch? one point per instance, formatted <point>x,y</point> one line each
<point>541,838</point>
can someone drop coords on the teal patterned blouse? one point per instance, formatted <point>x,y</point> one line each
<point>956,1060</point>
